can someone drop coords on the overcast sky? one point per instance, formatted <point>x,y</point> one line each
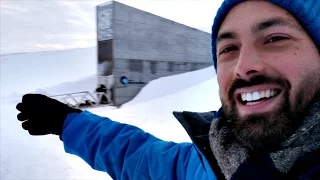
<point>41,25</point>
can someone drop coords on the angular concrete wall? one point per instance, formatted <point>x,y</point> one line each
<point>146,47</point>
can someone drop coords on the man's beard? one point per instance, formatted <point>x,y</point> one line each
<point>268,130</point>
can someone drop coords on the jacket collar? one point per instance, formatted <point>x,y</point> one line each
<point>197,125</point>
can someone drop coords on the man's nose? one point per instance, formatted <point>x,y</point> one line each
<point>249,63</point>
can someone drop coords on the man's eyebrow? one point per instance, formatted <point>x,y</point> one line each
<point>272,22</point>
<point>225,35</point>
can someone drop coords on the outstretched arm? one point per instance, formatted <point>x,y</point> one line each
<point>121,150</point>
<point>125,151</point>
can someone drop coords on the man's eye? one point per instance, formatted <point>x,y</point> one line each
<point>228,49</point>
<point>275,39</point>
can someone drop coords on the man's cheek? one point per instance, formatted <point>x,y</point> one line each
<point>223,97</point>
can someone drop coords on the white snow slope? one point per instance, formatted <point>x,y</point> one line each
<point>25,157</point>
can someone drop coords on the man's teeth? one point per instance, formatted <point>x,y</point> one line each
<point>251,103</point>
<point>253,96</point>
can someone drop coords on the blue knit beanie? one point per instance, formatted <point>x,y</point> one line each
<point>307,13</point>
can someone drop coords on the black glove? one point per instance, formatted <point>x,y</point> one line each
<point>42,115</point>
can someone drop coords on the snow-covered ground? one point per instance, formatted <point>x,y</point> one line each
<point>27,157</point>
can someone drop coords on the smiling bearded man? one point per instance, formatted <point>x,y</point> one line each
<point>268,72</point>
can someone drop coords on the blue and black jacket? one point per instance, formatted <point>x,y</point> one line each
<point>127,152</point>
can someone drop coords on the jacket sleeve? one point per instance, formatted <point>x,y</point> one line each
<point>125,151</point>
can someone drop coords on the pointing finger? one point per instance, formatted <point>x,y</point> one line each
<point>27,98</point>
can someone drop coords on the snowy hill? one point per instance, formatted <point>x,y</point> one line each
<point>28,157</point>
<point>26,72</point>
